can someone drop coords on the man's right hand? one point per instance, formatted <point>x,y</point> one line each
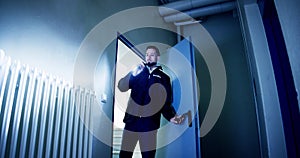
<point>138,69</point>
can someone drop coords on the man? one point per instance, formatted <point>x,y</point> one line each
<point>151,96</point>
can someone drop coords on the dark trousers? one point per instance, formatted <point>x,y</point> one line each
<point>147,142</point>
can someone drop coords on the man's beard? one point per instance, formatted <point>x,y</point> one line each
<point>150,64</point>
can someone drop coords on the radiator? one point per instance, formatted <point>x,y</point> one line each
<point>42,115</point>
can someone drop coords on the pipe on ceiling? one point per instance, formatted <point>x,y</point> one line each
<point>200,12</point>
<point>173,7</point>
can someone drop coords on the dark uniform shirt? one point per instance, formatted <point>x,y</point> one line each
<point>151,96</point>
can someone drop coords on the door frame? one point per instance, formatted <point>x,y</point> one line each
<point>126,42</point>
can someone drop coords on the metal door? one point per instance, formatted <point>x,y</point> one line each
<point>181,140</point>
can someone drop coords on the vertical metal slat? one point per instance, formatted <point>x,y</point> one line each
<point>18,110</point>
<point>81,123</point>
<point>64,121</point>
<point>51,117</point>
<point>71,122</point>
<point>91,125</point>
<point>35,116</point>
<point>27,110</point>
<point>86,123</point>
<point>5,63</point>
<point>58,119</point>
<point>44,117</point>
<point>76,123</point>
<point>8,106</point>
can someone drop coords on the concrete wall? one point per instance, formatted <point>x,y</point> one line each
<point>50,34</point>
<point>235,133</point>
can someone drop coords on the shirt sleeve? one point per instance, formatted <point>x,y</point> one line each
<point>123,83</point>
<point>168,110</point>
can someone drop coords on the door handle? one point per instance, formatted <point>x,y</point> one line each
<point>189,116</point>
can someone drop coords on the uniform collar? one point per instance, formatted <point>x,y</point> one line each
<point>157,66</point>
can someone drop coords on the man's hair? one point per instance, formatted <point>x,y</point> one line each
<point>155,48</point>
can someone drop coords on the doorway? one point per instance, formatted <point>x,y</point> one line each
<point>171,137</point>
<point>127,58</point>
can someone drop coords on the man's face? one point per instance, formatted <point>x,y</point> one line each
<point>151,56</point>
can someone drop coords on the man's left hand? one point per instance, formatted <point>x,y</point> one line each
<point>177,119</point>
